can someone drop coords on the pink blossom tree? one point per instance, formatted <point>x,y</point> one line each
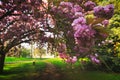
<point>77,25</point>
<point>21,21</point>
<point>82,25</point>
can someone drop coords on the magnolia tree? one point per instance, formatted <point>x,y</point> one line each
<point>21,21</point>
<point>82,25</point>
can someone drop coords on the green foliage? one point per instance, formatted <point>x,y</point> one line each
<point>57,62</point>
<point>40,51</point>
<point>115,32</point>
<point>115,22</point>
<point>89,18</point>
<point>25,52</point>
<point>109,51</point>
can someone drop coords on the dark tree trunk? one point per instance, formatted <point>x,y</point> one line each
<point>2,59</point>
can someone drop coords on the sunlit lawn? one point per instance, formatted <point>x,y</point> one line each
<point>23,69</point>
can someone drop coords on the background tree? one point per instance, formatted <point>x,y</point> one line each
<point>15,51</point>
<point>25,52</point>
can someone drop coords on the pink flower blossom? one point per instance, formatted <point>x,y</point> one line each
<point>78,14</point>
<point>94,59</point>
<point>76,8</point>
<point>80,20</point>
<point>104,11</point>
<point>71,60</point>
<point>63,55</point>
<point>89,5</point>
<point>74,59</point>
<point>61,48</point>
<point>68,58</point>
<point>66,4</point>
<point>84,32</point>
<point>105,22</point>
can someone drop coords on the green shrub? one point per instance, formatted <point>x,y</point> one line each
<point>25,52</point>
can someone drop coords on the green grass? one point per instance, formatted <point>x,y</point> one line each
<point>18,71</point>
<point>57,62</point>
<point>15,59</point>
<point>93,75</point>
<point>23,69</point>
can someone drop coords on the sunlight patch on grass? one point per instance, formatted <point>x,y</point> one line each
<point>57,62</point>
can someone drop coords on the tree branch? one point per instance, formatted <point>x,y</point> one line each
<point>17,41</point>
<point>10,23</point>
<point>7,13</point>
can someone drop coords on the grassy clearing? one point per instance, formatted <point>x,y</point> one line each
<point>19,71</point>
<point>15,59</point>
<point>23,69</point>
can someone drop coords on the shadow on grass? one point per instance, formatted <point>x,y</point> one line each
<point>28,71</point>
<point>22,71</point>
<point>25,70</point>
<point>23,67</point>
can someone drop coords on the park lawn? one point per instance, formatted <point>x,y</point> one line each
<point>23,69</point>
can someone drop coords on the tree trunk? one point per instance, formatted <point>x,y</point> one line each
<point>2,59</point>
